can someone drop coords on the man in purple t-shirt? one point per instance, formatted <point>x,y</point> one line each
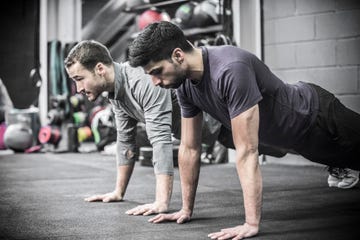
<point>240,91</point>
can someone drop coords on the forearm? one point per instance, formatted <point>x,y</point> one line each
<point>251,183</point>
<point>164,171</point>
<point>164,186</point>
<point>124,173</point>
<point>189,168</point>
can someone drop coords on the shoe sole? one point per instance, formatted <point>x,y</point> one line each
<point>350,186</point>
<point>333,184</point>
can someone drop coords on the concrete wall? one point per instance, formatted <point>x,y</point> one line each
<point>316,41</point>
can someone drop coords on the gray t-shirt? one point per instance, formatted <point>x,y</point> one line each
<point>235,80</point>
<point>135,99</point>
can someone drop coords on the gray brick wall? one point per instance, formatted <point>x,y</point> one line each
<point>315,41</point>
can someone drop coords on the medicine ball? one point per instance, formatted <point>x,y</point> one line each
<point>84,133</point>
<point>184,15</point>
<point>77,101</point>
<point>205,14</point>
<point>18,137</point>
<point>103,128</point>
<point>79,118</point>
<point>204,42</point>
<point>222,39</point>
<point>56,116</point>
<point>93,112</point>
<point>151,16</point>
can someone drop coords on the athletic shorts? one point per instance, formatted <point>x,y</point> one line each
<point>334,139</point>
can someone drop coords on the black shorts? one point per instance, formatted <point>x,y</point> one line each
<point>334,139</point>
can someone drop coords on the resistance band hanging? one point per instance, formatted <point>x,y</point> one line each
<point>58,79</point>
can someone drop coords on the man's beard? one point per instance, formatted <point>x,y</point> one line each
<point>177,82</point>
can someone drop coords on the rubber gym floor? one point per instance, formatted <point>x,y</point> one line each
<point>41,197</point>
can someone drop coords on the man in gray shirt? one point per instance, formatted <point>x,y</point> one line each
<point>134,99</point>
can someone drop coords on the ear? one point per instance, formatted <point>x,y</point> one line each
<point>99,68</point>
<point>178,55</point>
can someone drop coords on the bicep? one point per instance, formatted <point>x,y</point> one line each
<point>158,116</point>
<point>245,128</point>
<point>125,125</point>
<point>239,88</point>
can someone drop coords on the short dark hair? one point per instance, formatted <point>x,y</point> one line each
<point>157,42</point>
<point>88,53</point>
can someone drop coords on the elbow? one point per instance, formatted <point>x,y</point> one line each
<point>247,151</point>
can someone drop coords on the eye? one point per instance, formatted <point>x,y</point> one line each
<point>156,71</point>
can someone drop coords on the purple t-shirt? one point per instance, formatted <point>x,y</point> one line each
<point>235,80</point>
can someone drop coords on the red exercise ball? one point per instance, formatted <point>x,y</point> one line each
<point>151,16</point>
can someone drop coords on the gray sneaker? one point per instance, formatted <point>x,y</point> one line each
<point>342,177</point>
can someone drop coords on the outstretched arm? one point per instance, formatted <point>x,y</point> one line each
<point>157,106</point>
<point>122,179</point>
<point>189,168</point>
<point>125,154</point>
<point>245,134</point>
<point>163,195</point>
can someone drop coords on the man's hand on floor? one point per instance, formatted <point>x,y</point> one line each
<point>148,209</point>
<point>107,197</point>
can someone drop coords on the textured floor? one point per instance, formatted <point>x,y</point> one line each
<point>41,197</point>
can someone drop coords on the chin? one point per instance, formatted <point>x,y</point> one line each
<point>172,86</point>
<point>91,98</point>
<point>167,86</point>
<point>175,86</point>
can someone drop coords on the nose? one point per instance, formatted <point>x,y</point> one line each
<point>79,87</point>
<point>156,81</point>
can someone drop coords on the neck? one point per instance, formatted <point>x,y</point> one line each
<point>110,79</point>
<point>196,66</point>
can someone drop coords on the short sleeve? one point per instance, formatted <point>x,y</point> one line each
<point>239,88</point>
<point>188,109</point>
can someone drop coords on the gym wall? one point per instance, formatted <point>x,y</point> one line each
<point>18,20</point>
<point>316,41</point>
